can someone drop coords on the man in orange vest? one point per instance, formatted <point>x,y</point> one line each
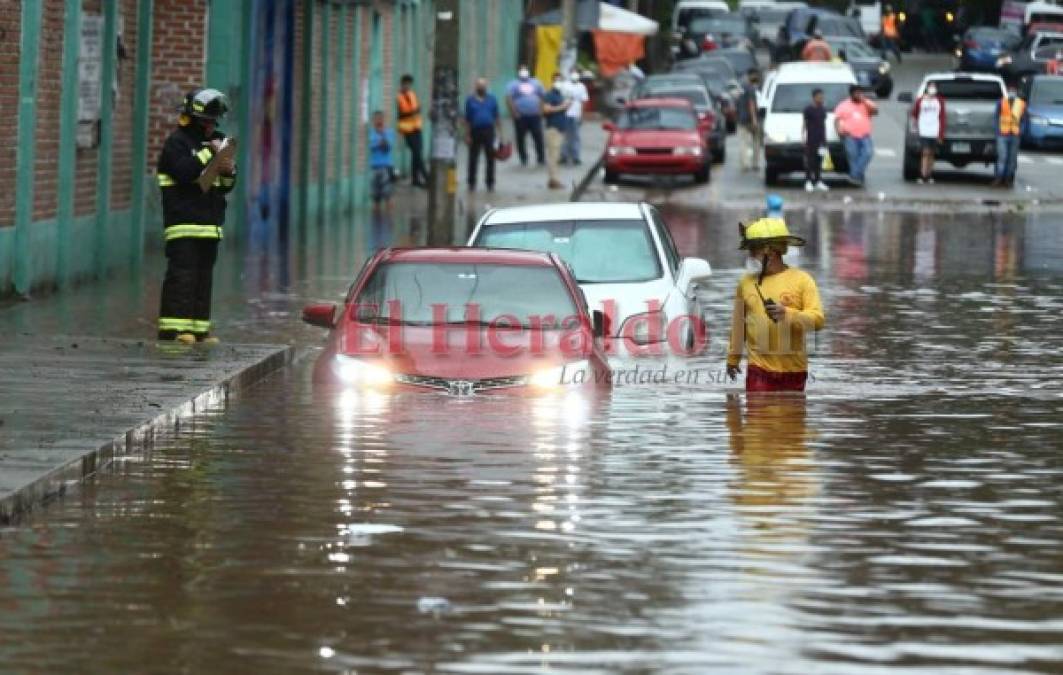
<point>891,35</point>
<point>410,128</point>
<point>1009,131</point>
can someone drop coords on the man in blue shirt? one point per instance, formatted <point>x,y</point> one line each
<point>524,96</point>
<point>481,123</point>
<point>381,141</point>
<point>555,105</point>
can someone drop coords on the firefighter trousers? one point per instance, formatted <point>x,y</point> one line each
<point>185,304</point>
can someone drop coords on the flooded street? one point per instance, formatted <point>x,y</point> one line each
<point>907,512</point>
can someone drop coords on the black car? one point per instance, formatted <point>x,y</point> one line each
<point>1030,56</point>
<point>720,80</point>
<point>690,87</point>
<point>871,68</point>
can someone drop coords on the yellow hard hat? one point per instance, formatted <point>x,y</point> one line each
<point>767,230</point>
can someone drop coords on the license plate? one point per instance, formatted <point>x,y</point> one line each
<point>961,148</point>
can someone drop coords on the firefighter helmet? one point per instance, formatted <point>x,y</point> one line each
<point>207,104</point>
<point>767,231</point>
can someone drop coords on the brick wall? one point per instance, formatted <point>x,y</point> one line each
<point>178,54</point>
<point>122,148</point>
<point>46,134</point>
<point>10,21</point>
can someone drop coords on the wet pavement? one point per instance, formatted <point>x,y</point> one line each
<point>907,512</point>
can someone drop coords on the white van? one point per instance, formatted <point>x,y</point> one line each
<point>687,10</point>
<point>783,101</point>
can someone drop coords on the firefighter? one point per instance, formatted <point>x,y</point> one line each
<point>193,207</point>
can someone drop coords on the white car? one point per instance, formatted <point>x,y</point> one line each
<point>784,98</point>
<point>619,252</point>
<point>687,10</point>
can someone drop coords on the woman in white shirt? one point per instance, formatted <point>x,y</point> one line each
<point>929,115</point>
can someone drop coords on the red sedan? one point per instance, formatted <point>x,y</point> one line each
<point>656,136</point>
<point>463,321</point>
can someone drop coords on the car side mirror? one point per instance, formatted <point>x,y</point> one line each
<point>322,315</point>
<point>692,270</point>
<point>599,323</point>
<point>905,97</point>
<point>609,126</point>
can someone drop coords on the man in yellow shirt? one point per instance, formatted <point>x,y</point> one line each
<point>774,309</point>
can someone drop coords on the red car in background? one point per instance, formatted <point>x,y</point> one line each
<point>656,136</point>
<point>463,321</point>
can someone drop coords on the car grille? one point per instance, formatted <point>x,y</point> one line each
<point>653,151</point>
<point>462,387</point>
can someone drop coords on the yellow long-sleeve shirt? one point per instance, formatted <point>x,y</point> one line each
<point>776,347</point>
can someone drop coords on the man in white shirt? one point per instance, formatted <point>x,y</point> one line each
<point>929,114</point>
<point>576,92</point>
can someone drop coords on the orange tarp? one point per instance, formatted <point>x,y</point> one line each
<point>616,50</point>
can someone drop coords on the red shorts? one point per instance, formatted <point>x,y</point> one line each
<point>758,379</point>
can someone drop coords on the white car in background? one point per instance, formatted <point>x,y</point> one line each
<point>619,252</point>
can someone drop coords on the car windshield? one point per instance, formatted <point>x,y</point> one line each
<point>697,97</point>
<point>771,15</point>
<point>1004,37</point>
<point>794,98</point>
<point>969,90</point>
<point>659,119</point>
<point>521,291</point>
<point>837,26</point>
<point>1047,91</point>
<point>719,24</point>
<point>690,14</point>
<point>599,251</point>
<point>853,49</point>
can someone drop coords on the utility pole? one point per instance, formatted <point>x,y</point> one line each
<point>444,114</point>
<point>569,37</point>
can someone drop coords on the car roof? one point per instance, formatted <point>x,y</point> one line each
<point>460,254</point>
<point>799,72</point>
<point>952,75</point>
<point>565,211</point>
<point>653,101</point>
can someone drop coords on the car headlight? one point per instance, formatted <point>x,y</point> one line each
<point>642,329</point>
<point>617,150</point>
<point>565,375</point>
<point>1038,120</point>
<point>361,372</point>
<point>691,150</point>
<point>776,138</point>
<point>1003,61</point>
<point>959,53</point>
<point>883,68</point>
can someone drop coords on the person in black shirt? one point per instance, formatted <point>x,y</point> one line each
<point>815,135</point>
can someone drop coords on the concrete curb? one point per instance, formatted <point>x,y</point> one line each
<point>56,482</point>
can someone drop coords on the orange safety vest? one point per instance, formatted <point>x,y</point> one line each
<point>409,112</point>
<point>889,26</point>
<point>1009,118</point>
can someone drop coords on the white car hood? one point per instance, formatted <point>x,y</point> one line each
<point>786,128</point>
<point>629,299</point>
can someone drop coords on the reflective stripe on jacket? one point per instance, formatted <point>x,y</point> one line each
<point>409,112</point>
<point>187,211</point>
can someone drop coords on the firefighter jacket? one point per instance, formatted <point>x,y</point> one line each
<point>187,211</point>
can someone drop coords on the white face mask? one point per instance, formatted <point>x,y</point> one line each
<point>574,77</point>
<point>792,256</point>
<point>931,92</point>
<point>523,74</point>
<point>754,265</point>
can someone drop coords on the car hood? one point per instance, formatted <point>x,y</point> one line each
<point>444,352</point>
<point>786,127</point>
<point>628,299</point>
<point>1046,110</point>
<point>648,138</point>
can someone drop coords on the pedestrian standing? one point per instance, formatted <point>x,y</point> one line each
<point>409,110</point>
<point>577,94</point>
<point>890,34</point>
<point>195,173</point>
<point>524,96</point>
<point>749,122</point>
<point>852,122</point>
<point>381,165</point>
<point>814,133</point>
<point>929,116</point>
<point>555,106</point>
<point>482,126</point>
<point>1009,123</point>
<point>816,49</point>
<point>775,307</point>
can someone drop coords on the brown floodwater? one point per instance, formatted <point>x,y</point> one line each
<point>907,512</point>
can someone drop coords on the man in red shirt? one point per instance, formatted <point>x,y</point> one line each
<point>816,49</point>
<point>852,121</point>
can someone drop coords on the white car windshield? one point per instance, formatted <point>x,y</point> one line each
<point>794,98</point>
<point>599,251</point>
<point>407,293</point>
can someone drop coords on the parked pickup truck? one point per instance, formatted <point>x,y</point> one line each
<point>970,120</point>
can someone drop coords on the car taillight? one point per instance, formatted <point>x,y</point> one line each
<point>970,44</point>
<point>708,43</point>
